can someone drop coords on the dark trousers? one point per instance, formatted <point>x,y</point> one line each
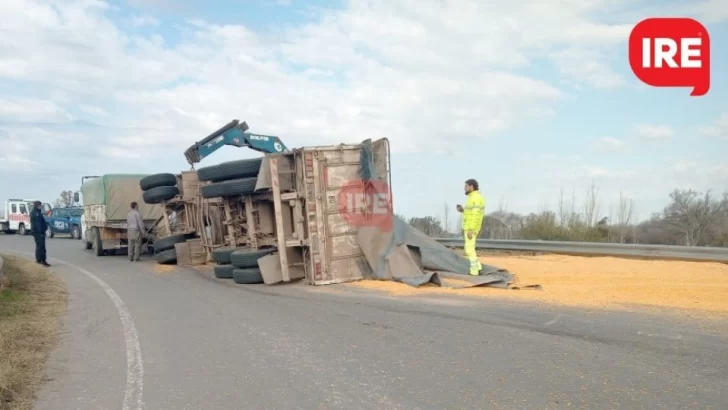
<point>40,249</point>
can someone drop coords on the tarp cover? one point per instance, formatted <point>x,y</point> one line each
<point>407,255</point>
<point>117,192</point>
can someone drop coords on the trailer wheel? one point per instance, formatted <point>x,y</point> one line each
<point>247,276</point>
<point>160,194</point>
<point>96,243</point>
<point>243,186</point>
<point>249,258</point>
<point>157,180</point>
<point>167,257</point>
<point>230,170</point>
<point>224,271</point>
<point>167,243</point>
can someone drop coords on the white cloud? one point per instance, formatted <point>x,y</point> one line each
<point>608,144</point>
<point>93,110</point>
<point>719,129</point>
<point>22,109</point>
<point>142,21</point>
<point>654,132</point>
<point>587,65</point>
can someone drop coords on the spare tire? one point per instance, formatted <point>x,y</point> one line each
<point>243,186</point>
<point>221,256</point>
<point>249,258</point>
<point>164,244</point>
<point>160,194</point>
<point>247,276</point>
<point>166,257</point>
<point>224,271</point>
<point>157,180</point>
<point>230,170</point>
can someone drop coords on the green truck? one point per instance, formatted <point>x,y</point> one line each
<point>106,202</point>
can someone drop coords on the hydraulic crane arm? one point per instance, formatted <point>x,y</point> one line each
<point>233,134</point>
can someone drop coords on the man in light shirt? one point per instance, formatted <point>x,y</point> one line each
<point>134,232</point>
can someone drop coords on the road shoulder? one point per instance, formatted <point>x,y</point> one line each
<point>32,302</point>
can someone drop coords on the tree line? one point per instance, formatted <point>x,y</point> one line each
<point>690,218</point>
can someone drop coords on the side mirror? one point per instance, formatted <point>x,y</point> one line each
<point>75,197</point>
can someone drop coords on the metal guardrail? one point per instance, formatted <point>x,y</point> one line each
<point>690,253</point>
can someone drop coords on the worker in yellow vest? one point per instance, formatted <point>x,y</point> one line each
<point>473,214</point>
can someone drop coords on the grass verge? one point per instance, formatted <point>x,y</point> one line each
<point>31,303</point>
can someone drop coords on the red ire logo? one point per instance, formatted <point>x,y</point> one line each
<point>671,52</point>
<point>366,203</point>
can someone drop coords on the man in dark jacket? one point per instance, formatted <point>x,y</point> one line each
<point>38,227</point>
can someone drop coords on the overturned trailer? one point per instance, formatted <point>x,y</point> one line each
<point>285,210</point>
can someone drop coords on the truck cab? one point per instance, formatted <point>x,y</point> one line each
<point>16,217</point>
<point>64,221</point>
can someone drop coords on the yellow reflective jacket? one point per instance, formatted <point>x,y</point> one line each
<point>473,212</point>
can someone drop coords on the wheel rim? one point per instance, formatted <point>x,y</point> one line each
<point>48,232</point>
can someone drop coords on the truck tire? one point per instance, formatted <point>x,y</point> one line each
<point>167,257</point>
<point>226,171</point>
<point>234,187</point>
<point>75,232</point>
<point>161,245</point>
<point>22,230</point>
<point>96,243</point>
<point>49,233</point>
<point>224,271</point>
<point>249,258</point>
<point>157,180</point>
<point>221,256</point>
<point>247,276</point>
<point>160,194</point>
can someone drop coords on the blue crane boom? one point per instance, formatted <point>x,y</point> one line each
<point>235,134</point>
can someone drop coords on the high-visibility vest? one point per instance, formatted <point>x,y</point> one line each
<point>473,212</point>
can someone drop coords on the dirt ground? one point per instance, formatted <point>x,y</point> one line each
<point>600,282</point>
<point>31,304</point>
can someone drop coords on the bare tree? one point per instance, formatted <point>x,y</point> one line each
<point>64,200</point>
<point>692,216</point>
<point>591,206</point>
<point>624,216</point>
<point>446,222</point>
<point>563,209</point>
<point>429,225</point>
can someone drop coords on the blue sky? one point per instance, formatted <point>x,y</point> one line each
<point>529,99</point>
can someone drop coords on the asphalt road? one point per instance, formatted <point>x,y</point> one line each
<point>135,336</point>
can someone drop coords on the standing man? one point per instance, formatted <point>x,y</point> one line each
<point>38,227</point>
<point>473,214</point>
<point>134,232</point>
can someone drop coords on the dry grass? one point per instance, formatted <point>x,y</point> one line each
<point>697,288</point>
<point>30,307</point>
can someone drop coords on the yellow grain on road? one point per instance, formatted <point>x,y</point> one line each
<point>600,282</point>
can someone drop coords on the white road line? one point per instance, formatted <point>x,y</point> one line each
<point>134,365</point>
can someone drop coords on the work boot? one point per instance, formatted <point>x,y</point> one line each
<point>46,264</point>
